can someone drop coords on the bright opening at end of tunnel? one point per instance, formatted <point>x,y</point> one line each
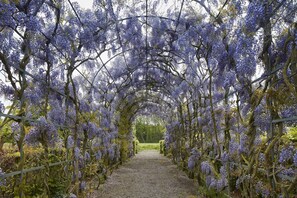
<point>149,132</point>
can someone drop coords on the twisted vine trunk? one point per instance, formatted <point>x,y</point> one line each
<point>23,105</point>
<point>269,152</point>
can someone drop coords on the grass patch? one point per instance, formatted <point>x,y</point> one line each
<point>148,146</point>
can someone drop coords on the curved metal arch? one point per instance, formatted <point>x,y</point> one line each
<point>163,90</point>
<point>140,104</point>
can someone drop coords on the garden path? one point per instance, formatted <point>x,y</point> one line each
<point>147,175</point>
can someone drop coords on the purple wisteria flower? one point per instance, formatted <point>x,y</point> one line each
<point>70,142</point>
<point>2,107</point>
<point>83,185</point>
<point>286,154</point>
<point>221,184</point>
<point>105,123</point>
<point>91,129</point>
<point>87,156</point>
<point>223,171</point>
<point>233,147</point>
<point>191,162</point>
<point>7,91</point>
<point>208,180</point>
<point>241,179</point>
<point>111,153</point>
<point>98,155</point>
<point>259,187</point>
<point>57,115</point>
<point>2,180</point>
<point>205,167</point>
<point>43,132</point>
<point>255,15</point>
<point>225,157</point>
<point>77,153</point>
<point>230,79</point>
<point>213,183</point>
<point>195,155</point>
<point>16,130</point>
<point>261,190</point>
<point>287,174</point>
<point>262,157</point>
<point>295,159</point>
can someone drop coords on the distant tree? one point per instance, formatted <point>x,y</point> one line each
<point>149,129</point>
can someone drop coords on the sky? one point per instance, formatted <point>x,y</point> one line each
<point>85,3</point>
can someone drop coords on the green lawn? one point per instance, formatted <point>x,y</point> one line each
<point>148,146</point>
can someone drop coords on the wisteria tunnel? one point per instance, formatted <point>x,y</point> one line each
<point>221,75</point>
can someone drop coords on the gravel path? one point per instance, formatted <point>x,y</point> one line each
<point>148,175</point>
